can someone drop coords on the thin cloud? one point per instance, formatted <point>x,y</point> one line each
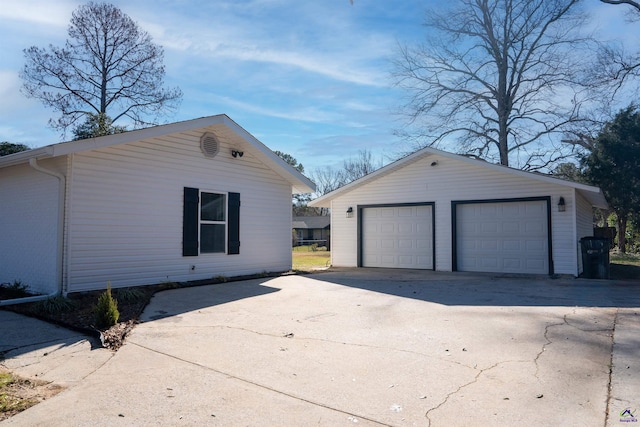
<point>278,33</point>
<point>311,115</point>
<point>56,13</point>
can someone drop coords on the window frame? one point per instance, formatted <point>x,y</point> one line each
<point>191,222</point>
<point>202,222</point>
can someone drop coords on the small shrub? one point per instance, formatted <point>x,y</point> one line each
<point>168,285</point>
<point>18,286</point>
<point>314,247</point>
<point>129,295</point>
<point>107,313</point>
<point>55,305</point>
<point>14,290</point>
<point>221,279</point>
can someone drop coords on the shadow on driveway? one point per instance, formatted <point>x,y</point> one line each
<point>184,300</point>
<point>478,289</point>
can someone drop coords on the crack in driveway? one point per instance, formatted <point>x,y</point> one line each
<point>263,386</point>
<point>291,335</point>
<point>548,341</point>
<point>475,379</point>
<point>610,384</point>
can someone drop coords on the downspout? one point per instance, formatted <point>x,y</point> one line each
<point>61,214</point>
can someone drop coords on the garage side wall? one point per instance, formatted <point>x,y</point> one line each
<point>29,228</point>
<point>449,179</point>
<point>584,222</point>
<point>126,214</point>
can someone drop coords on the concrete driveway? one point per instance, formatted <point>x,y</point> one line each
<point>370,347</point>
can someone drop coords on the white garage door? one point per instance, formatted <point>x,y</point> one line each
<point>509,237</point>
<point>397,237</point>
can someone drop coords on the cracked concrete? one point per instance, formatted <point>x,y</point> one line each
<point>32,348</point>
<point>367,347</point>
<point>624,392</point>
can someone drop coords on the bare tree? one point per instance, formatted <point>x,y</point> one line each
<point>617,68</point>
<point>363,164</point>
<point>631,3</point>
<point>502,77</point>
<point>329,178</point>
<point>108,67</point>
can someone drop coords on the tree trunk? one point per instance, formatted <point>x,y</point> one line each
<point>622,232</point>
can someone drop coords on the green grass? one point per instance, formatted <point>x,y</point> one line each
<point>625,266</point>
<point>304,259</point>
<point>8,401</point>
<point>626,259</point>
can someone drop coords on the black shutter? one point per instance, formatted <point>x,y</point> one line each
<point>233,223</point>
<point>190,222</point>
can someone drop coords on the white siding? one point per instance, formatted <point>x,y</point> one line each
<point>126,212</point>
<point>450,180</point>
<point>584,225</point>
<point>29,227</point>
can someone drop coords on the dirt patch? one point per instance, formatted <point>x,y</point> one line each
<point>18,394</point>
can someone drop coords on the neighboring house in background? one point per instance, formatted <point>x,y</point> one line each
<point>184,201</point>
<point>312,229</point>
<point>441,211</point>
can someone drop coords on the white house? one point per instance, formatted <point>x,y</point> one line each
<point>184,201</point>
<point>440,211</point>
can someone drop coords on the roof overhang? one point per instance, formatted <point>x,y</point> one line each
<point>299,183</point>
<point>592,194</point>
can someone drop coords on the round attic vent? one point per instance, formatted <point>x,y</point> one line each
<point>209,145</point>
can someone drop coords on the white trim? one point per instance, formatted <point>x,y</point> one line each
<point>593,194</point>
<point>299,182</point>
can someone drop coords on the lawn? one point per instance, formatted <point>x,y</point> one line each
<point>625,266</point>
<point>306,259</point>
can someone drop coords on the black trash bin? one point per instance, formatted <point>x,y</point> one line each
<point>595,257</point>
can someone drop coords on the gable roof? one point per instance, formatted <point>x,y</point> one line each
<point>592,194</point>
<point>239,136</point>
<point>310,222</point>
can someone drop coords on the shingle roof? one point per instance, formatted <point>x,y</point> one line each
<point>310,222</point>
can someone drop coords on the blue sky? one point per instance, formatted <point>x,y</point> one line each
<point>307,77</point>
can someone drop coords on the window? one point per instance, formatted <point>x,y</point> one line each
<point>211,223</point>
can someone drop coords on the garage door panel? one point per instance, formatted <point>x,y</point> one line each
<point>512,263</point>
<point>397,237</point>
<point>489,227</point>
<point>387,213</point>
<point>387,228</point>
<point>511,245</point>
<point>535,245</point>
<point>423,212</point>
<point>535,210</point>
<point>511,227</point>
<point>406,212</point>
<point>535,228</point>
<point>387,244</point>
<point>405,244</point>
<point>502,237</point>
<point>405,228</point>
<point>424,244</point>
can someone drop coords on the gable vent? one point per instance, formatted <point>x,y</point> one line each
<point>209,145</point>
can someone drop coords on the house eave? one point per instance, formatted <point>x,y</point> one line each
<point>299,183</point>
<point>25,156</point>
<point>592,194</point>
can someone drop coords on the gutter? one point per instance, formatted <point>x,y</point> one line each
<point>61,214</point>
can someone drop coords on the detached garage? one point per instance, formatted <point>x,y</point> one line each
<point>435,210</point>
